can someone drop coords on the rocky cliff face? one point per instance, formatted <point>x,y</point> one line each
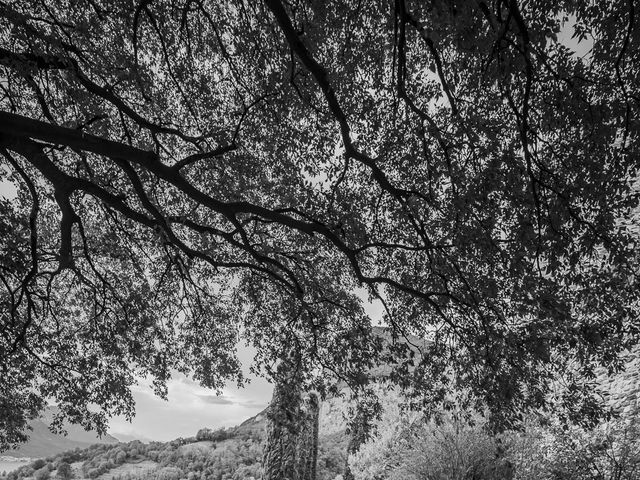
<point>622,390</point>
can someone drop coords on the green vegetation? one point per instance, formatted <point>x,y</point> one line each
<point>405,447</point>
<point>459,445</point>
<point>221,454</point>
<point>413,448</point>
<point>190,172</point>
<point>455,444</point>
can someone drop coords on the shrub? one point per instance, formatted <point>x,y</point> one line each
<point>610,450</point>
<point>41,474</point>
<point>203,434</point>
<point>93,473</point>
<point>214,435</point>
<point>121,457</point>
<point>168,473</point>
<point>152,455</point>
<point>407,446</point>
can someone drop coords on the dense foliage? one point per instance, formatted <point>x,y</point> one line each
<point>190,172</point>
<point>453,449</point>
<point>458,445</point>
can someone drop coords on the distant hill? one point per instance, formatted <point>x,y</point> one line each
<point>236,453</point>
<point>225,453</point>
<point>230,450</point>
<point>125,437</point>
<point>43,443</point>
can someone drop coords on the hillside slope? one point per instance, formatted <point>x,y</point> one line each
<point>43,443</point>
<point>222,454</point>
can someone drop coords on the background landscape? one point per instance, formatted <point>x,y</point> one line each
<point>320,240</point>
<point>405,446</point>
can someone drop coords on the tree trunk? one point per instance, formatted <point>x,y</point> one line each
<point>291,448</point>
<point>307,448</point>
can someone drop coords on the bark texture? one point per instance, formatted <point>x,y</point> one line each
<point>291,448</point>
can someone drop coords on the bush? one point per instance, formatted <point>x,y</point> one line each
<point>152,455</point>
<point>425,450</point>
<point>121,457</point>
<point>610,450</point>
<point>214,435</point>
<point>93,473</point>
<point>103,467</point>
<point>41,474</point>
<point>168,473</point>
<point>408,446</point>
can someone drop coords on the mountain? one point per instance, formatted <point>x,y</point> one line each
<point>126,437</point>
<point>225,453</point>
<point>43,443</point>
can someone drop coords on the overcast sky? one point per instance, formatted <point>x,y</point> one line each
<point>191,407</point>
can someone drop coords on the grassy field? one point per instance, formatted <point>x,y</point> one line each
<point>133,469</point>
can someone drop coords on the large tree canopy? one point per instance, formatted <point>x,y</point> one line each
<point>189,172</point>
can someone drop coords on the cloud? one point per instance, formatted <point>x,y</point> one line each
<point>226,400</point>
<point>216,399</point>
<point>253,404</point>
<point>190,407</point>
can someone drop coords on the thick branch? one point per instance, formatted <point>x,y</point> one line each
<point>321,76</point>
<point>204,156</point>
<point>20,126</point>
<point>50,62</point>
<point>413,20</point>
<point>69,137</point>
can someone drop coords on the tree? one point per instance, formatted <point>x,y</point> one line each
<point>190,172</point>
<point>64,471</point>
